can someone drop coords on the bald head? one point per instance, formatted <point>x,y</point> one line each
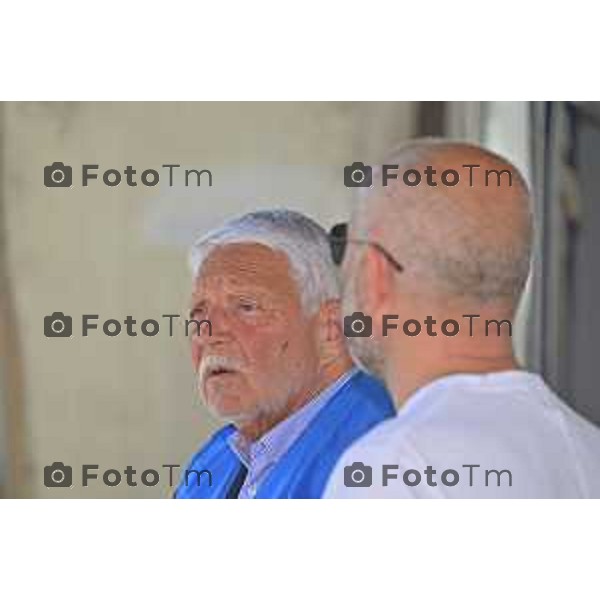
<point>471,240</point>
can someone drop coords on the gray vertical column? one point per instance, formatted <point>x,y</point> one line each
<point>12,406</point>
<point>584,318</point>
<point>4,445</point>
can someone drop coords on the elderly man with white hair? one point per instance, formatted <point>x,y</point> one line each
<point>274,363</point>
<point>471,421</point>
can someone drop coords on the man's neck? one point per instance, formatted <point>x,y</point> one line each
<point>479,346</point>
<point>255,429</point>
<point>412,366</point>
<point>403,383</point>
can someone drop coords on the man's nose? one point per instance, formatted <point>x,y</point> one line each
<point>218,333</point>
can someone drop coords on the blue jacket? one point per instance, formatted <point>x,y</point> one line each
<point>303,470</point>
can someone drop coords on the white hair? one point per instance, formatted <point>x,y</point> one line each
<point>304,242</point>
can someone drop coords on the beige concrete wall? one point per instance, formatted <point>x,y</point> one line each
<point>121,251</point>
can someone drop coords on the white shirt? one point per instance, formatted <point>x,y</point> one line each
<point>527,442</point>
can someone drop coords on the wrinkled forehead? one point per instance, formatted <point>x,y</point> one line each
<point>251,265</point>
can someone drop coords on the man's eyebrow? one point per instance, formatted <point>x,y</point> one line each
<point>249,288</point>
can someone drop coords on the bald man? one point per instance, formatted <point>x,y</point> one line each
<point>418,260</point>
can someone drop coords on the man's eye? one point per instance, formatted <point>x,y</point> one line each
<point>247,305</point>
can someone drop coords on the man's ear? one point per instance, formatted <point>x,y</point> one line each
<point>332,343</point>
<point>377,281</point>
<point>330,315</point>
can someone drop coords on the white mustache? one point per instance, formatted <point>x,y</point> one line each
<point>213,362</point>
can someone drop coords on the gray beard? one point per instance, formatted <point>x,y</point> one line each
<point>266,408</point>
